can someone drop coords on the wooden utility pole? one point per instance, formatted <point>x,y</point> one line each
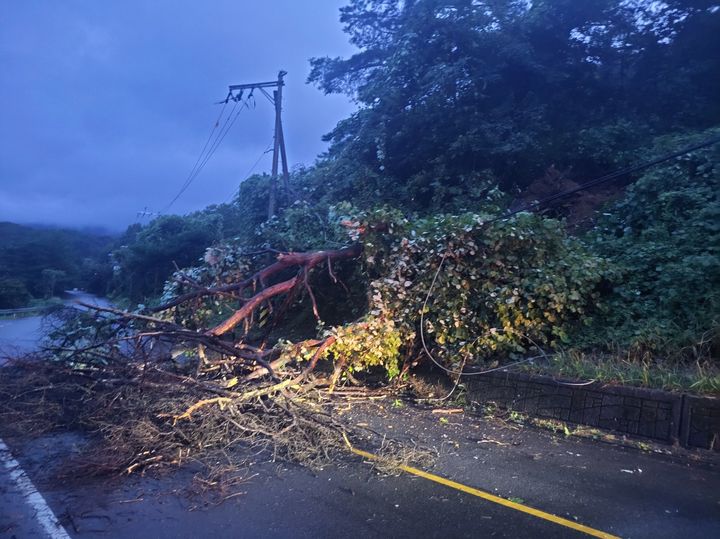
<point>279,153</point>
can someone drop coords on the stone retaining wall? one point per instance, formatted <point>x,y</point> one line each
<point>700,422</point>
<point>691,421</point>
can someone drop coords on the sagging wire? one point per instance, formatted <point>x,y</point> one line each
<point>252,169</point>
<point>538,204</point>
<point>192,174</point>
<point>204,157</point>
<point>460,372</point>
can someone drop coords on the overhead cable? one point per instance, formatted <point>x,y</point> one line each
<point>534,206</point>
<point>206,152</point>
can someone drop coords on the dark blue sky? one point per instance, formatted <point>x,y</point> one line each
<point>105,106</point>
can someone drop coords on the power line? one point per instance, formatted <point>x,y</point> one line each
<point>215,126</point>
<point>206,153</point>
<point>607,178</point>
<point>197,161</point>
<point>252,169</point>
<point>230,121</point>
<point>203,159</point>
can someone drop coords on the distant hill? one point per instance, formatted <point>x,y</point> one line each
<point>40,261</point>
<point>90,230</point>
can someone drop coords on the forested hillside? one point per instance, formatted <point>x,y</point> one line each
<point>41,262</point>
<point>468,110</point>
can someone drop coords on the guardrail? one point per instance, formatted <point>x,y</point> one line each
<point>24,310</point>
<point>40,310</point>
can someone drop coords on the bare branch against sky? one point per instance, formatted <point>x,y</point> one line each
<point>105,105</point>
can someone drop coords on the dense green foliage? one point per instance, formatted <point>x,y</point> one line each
<point>42,262</point>
<point>503,287</point>
<point>455,93</point>
<point>147,256</point>
<point>13,293</point>
<point>461,106</point>
<point>664,239</point>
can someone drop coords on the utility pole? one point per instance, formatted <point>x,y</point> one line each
<point>279,153</point>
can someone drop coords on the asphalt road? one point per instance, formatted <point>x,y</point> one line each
<point>625,492</point>
<point>22,335</point>
<point>622,491</point>
<point>19,335</point>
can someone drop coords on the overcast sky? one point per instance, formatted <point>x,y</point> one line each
<point>105,106</point>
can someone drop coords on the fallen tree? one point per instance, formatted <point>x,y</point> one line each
<point>156,392</point>
<point>221,360</point>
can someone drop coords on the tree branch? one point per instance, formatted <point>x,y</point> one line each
<point>252,304</point>
<point>284,261</point>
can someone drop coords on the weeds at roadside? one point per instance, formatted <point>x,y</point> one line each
<point>517,417</point>
<point>554,425</point>
<point>630,370</point>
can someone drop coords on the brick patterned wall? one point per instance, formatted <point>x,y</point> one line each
<point>659,415</point>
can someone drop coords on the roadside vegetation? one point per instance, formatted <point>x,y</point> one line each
<point>464,114</point>
<point>392,250</point>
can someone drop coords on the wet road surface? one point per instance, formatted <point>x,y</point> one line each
<point>619,490</point>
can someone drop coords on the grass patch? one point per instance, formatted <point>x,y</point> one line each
<point>699,377</point>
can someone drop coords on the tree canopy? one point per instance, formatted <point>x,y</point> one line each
<point>42,261</point>
<point>452,93</point>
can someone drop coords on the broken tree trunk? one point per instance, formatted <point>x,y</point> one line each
<point>284,262</point>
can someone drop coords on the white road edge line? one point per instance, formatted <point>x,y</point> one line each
<point>43,513</point>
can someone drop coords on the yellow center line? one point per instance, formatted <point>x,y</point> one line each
<point>492,498</point>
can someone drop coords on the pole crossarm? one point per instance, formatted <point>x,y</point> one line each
<point>251,85</point>
<point>256,86</point>
<point>279,152</point>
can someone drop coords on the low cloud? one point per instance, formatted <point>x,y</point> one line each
<point>106,106</point>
